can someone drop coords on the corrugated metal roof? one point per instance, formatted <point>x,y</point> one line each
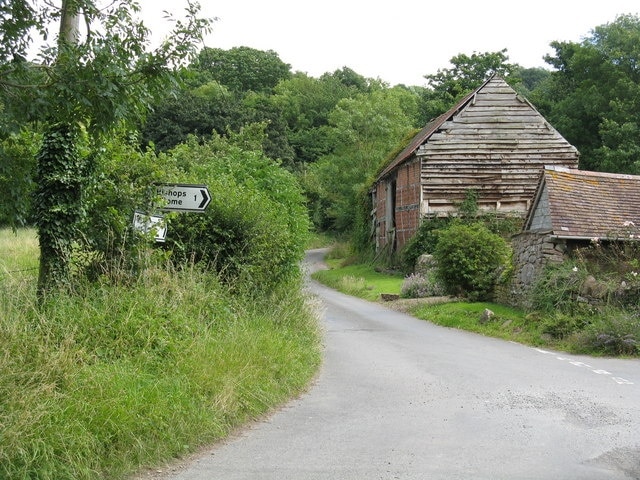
<point>589,205</point>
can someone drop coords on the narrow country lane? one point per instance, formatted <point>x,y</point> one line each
<point>400,398</point>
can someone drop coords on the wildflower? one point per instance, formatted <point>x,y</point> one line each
<point>635,274</point>
<point>575,269</point>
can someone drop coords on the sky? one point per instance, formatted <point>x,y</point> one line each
<point>397,41</point>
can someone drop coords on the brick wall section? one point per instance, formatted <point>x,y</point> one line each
<point>408,190</point>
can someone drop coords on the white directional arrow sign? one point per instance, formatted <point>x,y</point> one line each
<point>183,198</point>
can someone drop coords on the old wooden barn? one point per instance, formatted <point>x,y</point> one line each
<point>492,141</point>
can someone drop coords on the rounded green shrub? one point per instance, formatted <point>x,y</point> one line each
<point>470,260</point>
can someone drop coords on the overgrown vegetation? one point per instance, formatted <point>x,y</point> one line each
<point>562,317</point>
<point>594,299</point>
<point>153,350</point>
<point>118,376</point>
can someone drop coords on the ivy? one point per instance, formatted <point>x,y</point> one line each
<point>58,202</point>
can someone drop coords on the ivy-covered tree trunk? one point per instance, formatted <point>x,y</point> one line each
<point>57,204</point>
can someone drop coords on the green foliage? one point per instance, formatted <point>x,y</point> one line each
<point>121,184</point>
<point>602,274</point>
<point>363,130</point>
<point>424,241</point>
<point>593,299</point>
<point>558,288</point>
<point>17,166</point>
<point>305,104</point>
<point>17,18</point>
<point>426,237</point>
<point>448,85</point>
<point>192,113</point>
<point>58,208</point>
<point>615,334</point>
<point>107,80</point>
<point>470,259</point>
<point>592,96</point>
<point>256,227</point>
<point>531,78</point>
<point>243,69</point>
<point>561,325</point>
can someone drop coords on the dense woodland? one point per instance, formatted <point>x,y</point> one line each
<point>332,133</point>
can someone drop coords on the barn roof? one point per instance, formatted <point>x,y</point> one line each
<point>491,121</point>
<point>587,205</point>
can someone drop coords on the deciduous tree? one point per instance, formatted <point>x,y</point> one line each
<point>593,96</point>
<point>92,82</point>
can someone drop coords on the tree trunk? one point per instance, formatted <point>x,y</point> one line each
<point>59,184</point>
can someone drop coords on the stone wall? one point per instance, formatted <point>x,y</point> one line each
<point>531,253</point>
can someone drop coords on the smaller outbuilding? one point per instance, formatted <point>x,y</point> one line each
<point>573,209</point>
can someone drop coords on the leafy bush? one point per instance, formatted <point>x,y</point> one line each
<point>18,153</point>
<point>256,227</point>
<point>417,285</point>
<point>470,259</point>
<point>560,325</point>
<point>124,178</point>
<point>426,238</point>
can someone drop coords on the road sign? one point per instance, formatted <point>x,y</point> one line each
<point>145,223</point>
<point>183,198</point>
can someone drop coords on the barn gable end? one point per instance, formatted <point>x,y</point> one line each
<point>492,141</point>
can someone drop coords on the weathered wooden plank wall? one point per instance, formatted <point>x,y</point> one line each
<point>497,144</point>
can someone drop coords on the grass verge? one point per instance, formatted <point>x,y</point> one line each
<point>359,280</point>
<point>115,378</point>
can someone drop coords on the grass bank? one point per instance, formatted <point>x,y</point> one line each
<point>361,281</point>
<point>115,378</point>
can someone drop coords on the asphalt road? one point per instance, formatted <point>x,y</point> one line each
<point>400,398</point>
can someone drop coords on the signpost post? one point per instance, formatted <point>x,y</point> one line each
<point>183,197</point>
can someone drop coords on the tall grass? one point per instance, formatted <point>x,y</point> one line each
<point>18,252</point>
<point>113,378</point>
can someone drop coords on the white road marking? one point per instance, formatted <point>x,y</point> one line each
<point>618,380</point>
